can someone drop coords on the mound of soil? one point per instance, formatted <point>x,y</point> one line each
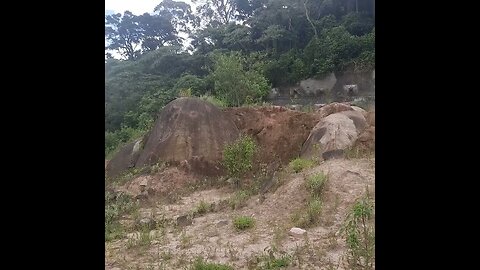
<point>279,132</point>
<point>192,132</point>
<point>162,183</point>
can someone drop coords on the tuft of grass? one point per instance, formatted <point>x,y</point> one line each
<point>116,205</point>
<point>185,240</point>
<point>310,216</point>
<point>203,208</point>
<point>239,199</point>
<point>314,209</point>
<point>143,240</point>
<point>299,164</point>
<point>201,264</point>
<point>315,183</point>
<point>271,259</point>
<point>243,222</point>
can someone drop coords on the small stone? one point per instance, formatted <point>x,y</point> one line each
<point>222,223</point>
<point>147,223</point>
<point>297,232</point>
<point>134,235</point>
<point>184,220</point>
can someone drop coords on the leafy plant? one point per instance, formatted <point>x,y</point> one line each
<point>116,205</point>
<point>238,156</point>
<point>315,183</point>
<point>236,85</point>
<point>203,208</point>
<point>359,235</point>
<point>243,222</point>
<point>299,164</point>
<point>272,259</point>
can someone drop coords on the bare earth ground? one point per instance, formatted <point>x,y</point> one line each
<point>213,236</point>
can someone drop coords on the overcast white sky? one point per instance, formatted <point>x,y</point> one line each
<point>137,7</point>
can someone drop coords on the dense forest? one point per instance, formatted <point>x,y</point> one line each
<point>231,52</point>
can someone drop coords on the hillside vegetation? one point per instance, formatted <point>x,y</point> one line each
<point>236,51</point>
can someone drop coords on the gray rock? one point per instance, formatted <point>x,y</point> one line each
<point>333,132</point>
<point>148,223</point>
<point>333,154</point>
<point>222,223</point>
<point>358,120</point>
<point>297,232</point>
<point>184,220</point>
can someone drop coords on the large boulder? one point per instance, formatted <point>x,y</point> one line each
<point>332,108</point>
<point>371,118</point>
<point>334,132</point>
<point>366,140</point>
<point>124,159</point>
<point>190,132</point>
<point>358,120</point>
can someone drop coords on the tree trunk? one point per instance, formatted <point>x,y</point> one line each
<point>308,18</point>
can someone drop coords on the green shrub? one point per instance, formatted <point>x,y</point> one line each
<point>238,156</point>
<point>359,235</point>
<point>272,259</point>
<point>316,182</point>
<point>115,207</point>
<point>236,85</point>
<point>313,210</point>
<point>243,222</point>
<point>299,164</point>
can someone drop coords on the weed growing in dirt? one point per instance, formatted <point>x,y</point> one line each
<point>243,222</point>
<point>142,239</point>
<point>201,264</point>
<point>315,183</point>
<point>310,216</point>
<point>299,164</point>
<point>238,156</point>
<point>185,240</point>
<point>127,175</point>
<point>279,234</point>
<point>360,235</point>
<point>314,209</point>
<point>202,208</point>
<point>239,199</point>
<point>271,259</point>
<point>116,205</point>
